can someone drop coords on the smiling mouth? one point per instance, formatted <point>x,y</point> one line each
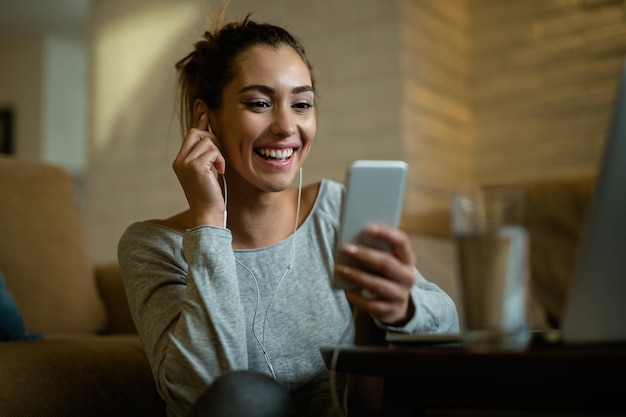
<point>275,154</point>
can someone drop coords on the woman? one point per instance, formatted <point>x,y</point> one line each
<point>240,280</point>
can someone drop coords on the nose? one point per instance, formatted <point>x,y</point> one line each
<point>284,123</point>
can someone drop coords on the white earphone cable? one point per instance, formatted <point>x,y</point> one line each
<point>293,256</point>
<point>261,341</point>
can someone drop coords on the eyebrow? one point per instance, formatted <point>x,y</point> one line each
<point>271,91</point>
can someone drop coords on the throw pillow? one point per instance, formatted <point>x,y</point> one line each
<point>11,321</point>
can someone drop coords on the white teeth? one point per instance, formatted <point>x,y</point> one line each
<point>276,153</point>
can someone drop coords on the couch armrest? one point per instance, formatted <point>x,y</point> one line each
<point>109,282</point>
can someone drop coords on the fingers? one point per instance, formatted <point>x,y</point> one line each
<point>398,241</point>
<point>386,278</point>
<point>383,285</point>
<point>200,149</point>
<point>383,299</point>
<point>195,135</point>
<point>199,154</point>
<point>193,165</point>
<point>203,125</point>
<point>396,265</point>
<point>371,286</point>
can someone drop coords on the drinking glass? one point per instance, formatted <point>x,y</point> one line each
<point>492,243</point>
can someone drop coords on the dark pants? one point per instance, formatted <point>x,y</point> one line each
<point>243,394</point>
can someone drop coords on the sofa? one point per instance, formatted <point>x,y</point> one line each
<point>68,346</point>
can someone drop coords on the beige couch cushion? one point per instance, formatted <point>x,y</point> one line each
<point>43,251</point>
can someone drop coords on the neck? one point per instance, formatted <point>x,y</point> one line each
<point>263,223</point>
<point>264,219</point>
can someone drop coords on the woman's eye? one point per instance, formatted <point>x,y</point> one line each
<point>257,104</point>
<point>302,107</point>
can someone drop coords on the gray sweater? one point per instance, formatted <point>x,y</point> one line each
<point>195,301</point>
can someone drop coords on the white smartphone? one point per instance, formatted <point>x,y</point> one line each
<point>375,194</point>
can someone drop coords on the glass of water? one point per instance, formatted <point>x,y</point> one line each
<point>492,246</point>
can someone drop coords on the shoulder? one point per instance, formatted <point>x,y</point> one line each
<point>178,223</point>
<point>160,229</point>
<point>147,237</point>
<point>331,195</point>
<point>150,248</point>
<point>329,200</point>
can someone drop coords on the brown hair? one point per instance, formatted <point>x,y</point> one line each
<point>205,71</point>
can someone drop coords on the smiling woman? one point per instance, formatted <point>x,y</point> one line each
<point>211,293</point>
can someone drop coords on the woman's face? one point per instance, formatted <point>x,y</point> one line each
<point>267,122</point>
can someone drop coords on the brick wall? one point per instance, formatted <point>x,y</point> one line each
<point>437,120</point>
<point>543,78</point>
<point>500,91</point>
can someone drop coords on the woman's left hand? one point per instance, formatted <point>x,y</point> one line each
<point>385,293</point>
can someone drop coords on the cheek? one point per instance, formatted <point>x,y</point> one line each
<point>310,129</point>
<point>250,127</point>
<point>238,134</point>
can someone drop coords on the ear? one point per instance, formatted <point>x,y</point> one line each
<point>199,109</point>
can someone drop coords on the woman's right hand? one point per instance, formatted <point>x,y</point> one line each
<point>197,155</point>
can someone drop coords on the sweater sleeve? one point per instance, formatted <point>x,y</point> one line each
<point>186,307</point>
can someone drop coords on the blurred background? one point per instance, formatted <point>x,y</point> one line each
<point>468,92</point>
